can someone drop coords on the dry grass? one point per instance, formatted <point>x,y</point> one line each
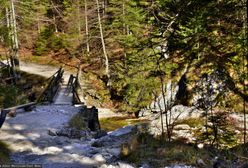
<point>113,123</point>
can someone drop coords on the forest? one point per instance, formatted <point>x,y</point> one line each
<point>143,59</point>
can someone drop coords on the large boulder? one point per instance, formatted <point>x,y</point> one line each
<point>177,112</point>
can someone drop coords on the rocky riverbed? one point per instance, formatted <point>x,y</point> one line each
<point>29,137</point>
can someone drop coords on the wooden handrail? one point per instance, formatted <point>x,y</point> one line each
<point>4,112</point>
<point>52,88</point>
<point>74,85</point>
<point>20,106</point>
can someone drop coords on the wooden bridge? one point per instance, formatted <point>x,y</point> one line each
<point>57,92</point>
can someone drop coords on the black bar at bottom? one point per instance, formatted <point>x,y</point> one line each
<point>20,165</point>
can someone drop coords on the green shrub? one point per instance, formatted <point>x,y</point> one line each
<point>56,43</point>
<point>40,47</point>
<point>42,41</point>
<point>4,153</point>
<point>192,122</point>
<point>48,40</point>
<point>8,96</point>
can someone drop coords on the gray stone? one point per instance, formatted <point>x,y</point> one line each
<point>170,90</point>
<point>145,165</point>
<point>200,146</point>
<point>123,131</point>
<point>73,133</point>
<point>124,165</point>
<point>177,112</point>
<point>99,158</point>
<point>52,132</point>
<point>184,134</point>
<point>114,151</point>
<point>104,141</point>
<point>179,166</point>
<point>182,127</point>
<point>99,134</point>
<point>107,166</point>
<point>200,162</point>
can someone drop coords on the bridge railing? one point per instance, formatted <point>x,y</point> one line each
<point>46,96</point>
<point>73,85</point>
<point>52,87</point>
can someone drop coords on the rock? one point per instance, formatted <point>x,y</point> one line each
<point>109,157</point>
<point>112,159</point>
<point>145,113</point>
<point>104,141</point>
<point>64,132</point>
<point>114,151</point>
<point>12,113</point>
<point>171,90</point>
<point>77,134</point>
<point>179,166</point>
<point>74,133</point>
<point>237,132</point>
<point>109,141</point>
<point>185,134</point>
<point>200,163</point>
<point>117,165</point>
<point>122,131</point>
<point>200,146</point>
<point>60,140</point>
<point>177,112</point>
<point>53,150</point>
<point>182,127</point>
<point>238,119</point>
<point>87,136</point>
<point>99,158</point>
<point>219,163</point>
<point>99,134</point>
<point>106,166</point>
<point>124,165</point>
<point>145,166</point>
<point>52,132</point>
<point>245,165</point>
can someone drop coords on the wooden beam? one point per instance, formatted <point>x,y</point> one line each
<point>4,112</point>
<point>20,106</point>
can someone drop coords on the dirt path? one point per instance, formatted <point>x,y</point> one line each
<point>43,70</point>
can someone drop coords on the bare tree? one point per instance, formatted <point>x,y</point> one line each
<point>86,26</point>
<point>13,38</point>
<point>244,16</point>
<point>103,42</point>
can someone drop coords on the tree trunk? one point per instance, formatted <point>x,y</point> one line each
<point>123,16</point>
<point>78,21</point>
<point>104,5</point>
<point>86,26</point>
<point>103,43</point>
<point>15,46</point>
<point>168,126</point>
<point>244,66</point>
<point>15,38</point>
<point>12,34</point>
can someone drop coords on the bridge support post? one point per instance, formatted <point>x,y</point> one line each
<point>93,121</point>
<point>3,117</point>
